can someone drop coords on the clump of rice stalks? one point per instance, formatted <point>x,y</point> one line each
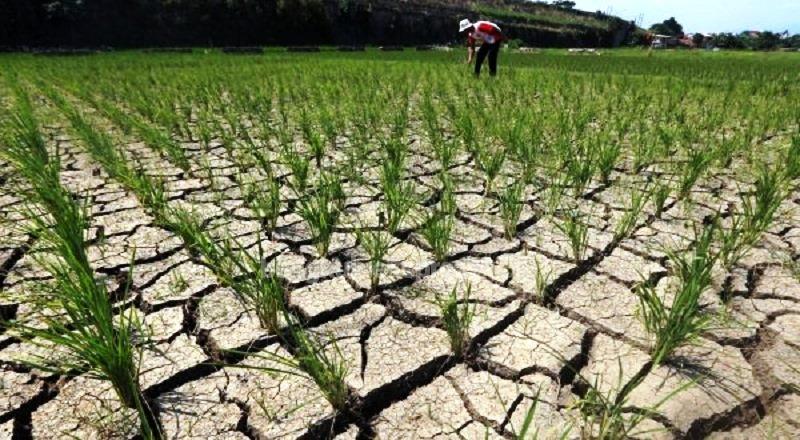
<point>757,213</point>
<point>682,321</point>
<point>580,169</point>
<point>264,199</point>
<point>299,165</point>
<point>312,137</point>
<point>607,157</point>
<point>437,230</point>
<point>326,366</point>
<point>638,199</point>
<point>234,267</point>
<point>541,281</point>
<point>577,232</point>
<point>438,225</point>
<point>660,193</point>
<point>490,161</point>
<point>607,415</point>
<point>398,193</point>
<point>457,314</point>
<point>698,162</point>
<point>321,210</point>
<point>375,244</point>
<point>511,204</point>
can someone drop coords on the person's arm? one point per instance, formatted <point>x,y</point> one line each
<point>470,49</point>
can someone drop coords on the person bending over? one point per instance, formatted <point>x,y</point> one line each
<point>489,35</point>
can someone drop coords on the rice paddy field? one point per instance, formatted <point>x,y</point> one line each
<point>378,245</point>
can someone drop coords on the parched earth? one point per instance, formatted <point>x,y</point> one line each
<point>526,345</point>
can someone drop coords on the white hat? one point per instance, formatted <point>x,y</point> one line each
<point>464,25</point>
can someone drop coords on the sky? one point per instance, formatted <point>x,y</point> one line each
<point>706,15</point>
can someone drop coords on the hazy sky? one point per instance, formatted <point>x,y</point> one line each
<point>706,15</point>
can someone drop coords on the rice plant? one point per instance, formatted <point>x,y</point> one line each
<point>674,325</point>
<point>321,210</point>
<point>376,244</point>
<point>577,233</point>
<point>325,365</point>
<point>457,314</point>
<point>660,193</point>
<point>625,225</point>
<point>511,205</point>
<point>265,202</point>
<point>756,215</point>
<point>490,161</point>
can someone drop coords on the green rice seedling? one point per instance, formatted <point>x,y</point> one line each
<point>683,321</point>
<point>490,162</point>
<point>445,152</point>
<point>529,432</point>
<point>607,157</point>
<point>436,230</point>
<point>767,197</point>
<point>326,367</point>
<point>376,244</point>
<point>398,194</point>
<point>698,162</point>
<point>299,166</point>
<point>757,212</point>
<point>321,210</point>
<point>554,193</point>
<point>265,202</point>
<point>542,280</point>
<point>577,232</point>
<point>638,199</point>
<point>607,415</point>
<point>234,267</point>
<point>579,173</point>
<point>312,137</point>
<point>511,205</point>
<point>457,315</point>
<point>263,291</point>
<point>660,193</point>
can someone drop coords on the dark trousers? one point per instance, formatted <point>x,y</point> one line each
<point>487,49</point>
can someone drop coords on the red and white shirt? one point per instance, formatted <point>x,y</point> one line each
<point>485,31</point>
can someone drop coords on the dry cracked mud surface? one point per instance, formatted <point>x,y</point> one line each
<point>542,320</point>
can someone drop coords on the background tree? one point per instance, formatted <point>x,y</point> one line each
<point>564,4</point>
<point>669,27</point>
<point>698,39</point>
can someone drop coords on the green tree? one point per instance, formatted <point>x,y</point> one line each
<point>564,4</point>
<point>668,27</point>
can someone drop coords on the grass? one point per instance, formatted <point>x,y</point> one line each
<point>437,230</point>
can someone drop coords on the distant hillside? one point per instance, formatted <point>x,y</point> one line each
<point>143,23</point>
